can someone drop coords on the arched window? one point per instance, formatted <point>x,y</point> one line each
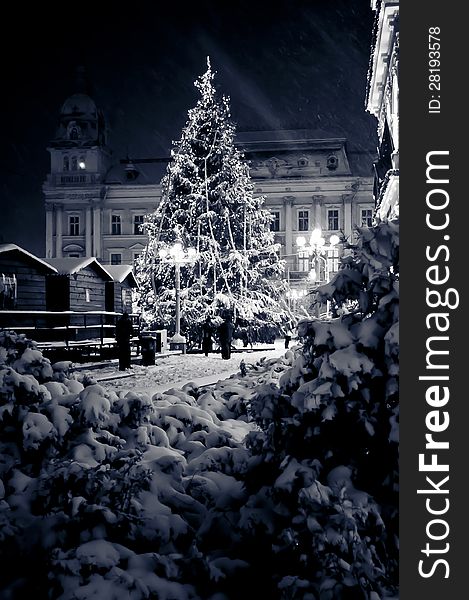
<point>74,163</point>
<point>66,165</point>
<point>332,162</point>
<point>73,133</point>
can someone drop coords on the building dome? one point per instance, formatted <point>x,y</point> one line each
<point>79,106</point>
<point>81,123</point>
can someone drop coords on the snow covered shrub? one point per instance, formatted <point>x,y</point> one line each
<point>111,495</point>
<point>324,495</point>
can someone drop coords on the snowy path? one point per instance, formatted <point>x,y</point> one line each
<point>178,370</point>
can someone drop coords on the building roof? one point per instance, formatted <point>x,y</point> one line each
<point>138,172</point>
<point>4,248</point>
<point>70,266</point>
<point>148,171</point>
<point>79,105</point>
<point>287,137</point>
<point>122,272</point>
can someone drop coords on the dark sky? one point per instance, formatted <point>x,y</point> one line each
<point>286,64</point>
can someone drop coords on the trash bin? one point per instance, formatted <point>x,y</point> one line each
<point>148,344</point>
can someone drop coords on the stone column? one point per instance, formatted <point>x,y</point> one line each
<point>288,202</point>
<point>317,202</point>
<point>347,204</point>
<point>88,232</point>
<point>58,230</point>
<point>49,231</point>
<point>97,232</point>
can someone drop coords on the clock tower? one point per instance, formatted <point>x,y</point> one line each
<point>74,189</point>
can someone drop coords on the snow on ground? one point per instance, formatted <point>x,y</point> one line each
<point>180,369</point>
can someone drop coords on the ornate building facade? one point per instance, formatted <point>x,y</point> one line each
<point>95,207</point>
<point>382,101</point>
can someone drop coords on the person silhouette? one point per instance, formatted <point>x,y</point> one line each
<point>225,335</point>
<point>207,331</point>
<point>123,337</point>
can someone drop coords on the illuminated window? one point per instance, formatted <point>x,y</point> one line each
<point>333,219</point>
<point>275,223</point>
<point>304,262</point>
<point>367,217</point>
<point>73,225</point>
<point>116,225</point>
<point>138,222</point>
<point>332,260</point>
<point>303,220</point>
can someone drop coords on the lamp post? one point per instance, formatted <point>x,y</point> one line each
<point>316,248</point>
<point>177,256</point>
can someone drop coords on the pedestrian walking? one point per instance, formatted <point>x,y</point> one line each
<point>123,337</point>
<point>288,336</point>
<point>225,336</point>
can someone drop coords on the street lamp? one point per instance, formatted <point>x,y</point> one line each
<point>316,248</point>
<point>177,256</point>
<point>295,296</point>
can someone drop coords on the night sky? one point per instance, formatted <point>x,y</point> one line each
<point>286,65</point>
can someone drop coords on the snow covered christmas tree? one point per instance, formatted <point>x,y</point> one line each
<point>208,204</point>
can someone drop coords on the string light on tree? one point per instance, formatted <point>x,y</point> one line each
<point>208,196</point>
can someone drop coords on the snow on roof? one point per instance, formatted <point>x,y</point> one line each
<point>14,248</point>
<point>69,266</point>
<point>121,272</point>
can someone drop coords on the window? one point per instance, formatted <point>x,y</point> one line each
<point>275,223</point>
<point>332,261</point>
<point>367,217</point>
<point>332,162</point>
<point>74,133</point>
<point>116,258</point>
<point>66,165</point>
<point>82,163</point>
<point>304,262</point>
<point>303,220</point>
<point>136,256</point>
<point>73,225</point>
<point>87,295</point>
<point>116,228</point>
<point>138,222</point>
<point>333,219</point>
<point>74,163</point>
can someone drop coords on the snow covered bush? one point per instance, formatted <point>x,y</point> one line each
<point>106,495</point>
<point>324,495</point>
